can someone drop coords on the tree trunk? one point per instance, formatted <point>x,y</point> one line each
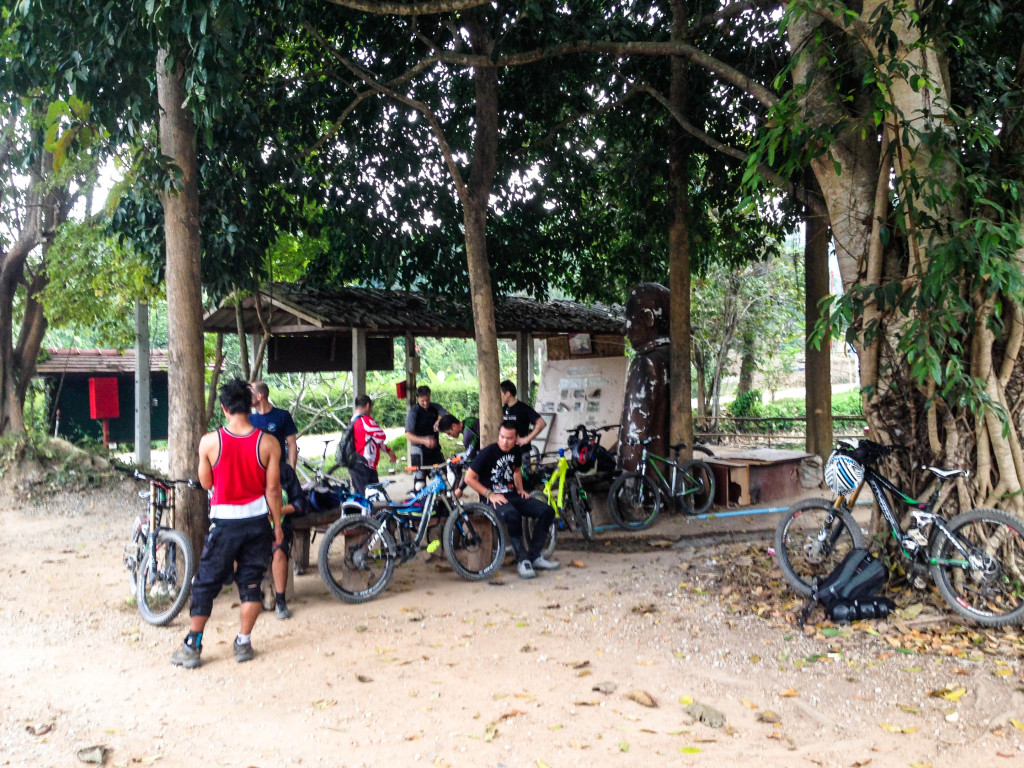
<point>818,368</point>
<point>748,365</point>
<point>474,204</point>
<point>680,407</point>
<point>184,299</point>
<point>44,213</point>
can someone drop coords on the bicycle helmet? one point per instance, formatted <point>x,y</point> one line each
<point>843,474</point>
<point>583,448</point>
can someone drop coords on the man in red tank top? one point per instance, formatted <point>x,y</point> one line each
<point>242,466</point>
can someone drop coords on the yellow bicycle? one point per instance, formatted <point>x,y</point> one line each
<point>563,491</point>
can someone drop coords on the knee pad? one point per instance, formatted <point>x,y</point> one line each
<point>250,593</point>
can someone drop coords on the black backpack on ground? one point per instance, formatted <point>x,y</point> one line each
<point>850,592</point>
<point>346,454</point>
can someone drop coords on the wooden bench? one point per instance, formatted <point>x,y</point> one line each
<point>304,526</point>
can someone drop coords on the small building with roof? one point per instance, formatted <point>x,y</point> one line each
<point>67,374</point>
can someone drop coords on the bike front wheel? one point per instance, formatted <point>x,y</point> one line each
<point>811,539</point>
<point>634,501</point>
<point>979,567</point>
<point>357,558</point>
<point>696,488</point>
<point>474,541</point>
<point>164,580</point>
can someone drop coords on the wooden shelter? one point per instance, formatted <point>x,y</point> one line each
<point>353,328</point>
<point>67,373</point>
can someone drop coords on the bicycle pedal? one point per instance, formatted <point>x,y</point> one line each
<point>918,583</point>
<point>433,546</point>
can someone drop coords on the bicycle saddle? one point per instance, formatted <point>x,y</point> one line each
<point>946,474</point>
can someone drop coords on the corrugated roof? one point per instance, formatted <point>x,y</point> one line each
<point>97,361</point>
<point>293,308</point>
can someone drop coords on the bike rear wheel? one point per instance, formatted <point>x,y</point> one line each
<point>988,585</point>
<point>812,537</point>
<point>357,558</point>
<point>696,484</point>
<point>581,508</point>
<point>163,582</point>
<point>474,541</point>
<point>634,501</point>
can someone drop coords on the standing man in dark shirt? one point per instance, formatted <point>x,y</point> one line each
<point>496,474</point>
<point>469,430</point>
<point>277,421</point>
<point>421,431</point>
<point>527,422</point>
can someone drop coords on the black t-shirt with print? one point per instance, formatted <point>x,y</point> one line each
<point>495,468</point>
<point>522,416</point>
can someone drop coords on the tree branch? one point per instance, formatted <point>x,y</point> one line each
<point>382,88</point>
<point>735,9</point>
<point>575,118</point>
<point>383,8</point>
<point>728,73</point>
<point>813,203</point>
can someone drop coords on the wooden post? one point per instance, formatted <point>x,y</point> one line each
<point>524,371</point>
<point>358,362</point>
<point>411,367</point>
<point>143,398</point>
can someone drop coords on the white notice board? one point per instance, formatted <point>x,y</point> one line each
<point>586,392</point>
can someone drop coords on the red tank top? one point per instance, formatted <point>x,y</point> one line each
<point>239,477</point>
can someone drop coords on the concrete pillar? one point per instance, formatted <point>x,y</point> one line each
<point>143,402</point>
<point>358,362</point>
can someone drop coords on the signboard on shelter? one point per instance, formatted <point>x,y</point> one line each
<point>585,392</point>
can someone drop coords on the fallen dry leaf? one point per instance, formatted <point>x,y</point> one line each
<point>769,717</point>
<point>950,694</point>
<point>576,564</point>
<point>789,693</point>
<point>748,704</point>
<point>642,698</point>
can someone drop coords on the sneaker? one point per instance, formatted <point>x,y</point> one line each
<point>187,656</point>
<point>543,564</point>
<point>283,612</point>
<point>243,652</point>
<point>526,570</point>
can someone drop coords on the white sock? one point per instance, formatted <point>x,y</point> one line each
<point>242,639</point>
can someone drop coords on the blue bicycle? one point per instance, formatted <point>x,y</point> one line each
<point>359,552</point>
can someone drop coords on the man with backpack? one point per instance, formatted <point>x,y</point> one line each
<point>361,444</point>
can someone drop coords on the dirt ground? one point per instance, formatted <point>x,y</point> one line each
<point>605,662</point>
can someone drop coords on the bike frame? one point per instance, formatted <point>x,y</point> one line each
<point>647,459</point>
<point>923,513</point>
<point>558,476</point>
<point>414,508</point>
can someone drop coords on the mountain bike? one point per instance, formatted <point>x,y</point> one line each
<point>159,559</point>
<point>635,498</point>
<point>359,552</point>
<point>976,559</point>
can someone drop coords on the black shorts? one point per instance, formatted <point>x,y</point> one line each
<point>239,548</point>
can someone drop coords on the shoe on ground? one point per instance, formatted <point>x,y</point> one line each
<point>526,570</point>
<point>186,656</point>
<point>283,612</point>
<point>543,564</point>
<point>243,652</point>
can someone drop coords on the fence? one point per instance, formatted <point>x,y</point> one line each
<point>764,429</point>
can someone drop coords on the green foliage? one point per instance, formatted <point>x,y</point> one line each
<point>92,282</point>
<point>747,405</point>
